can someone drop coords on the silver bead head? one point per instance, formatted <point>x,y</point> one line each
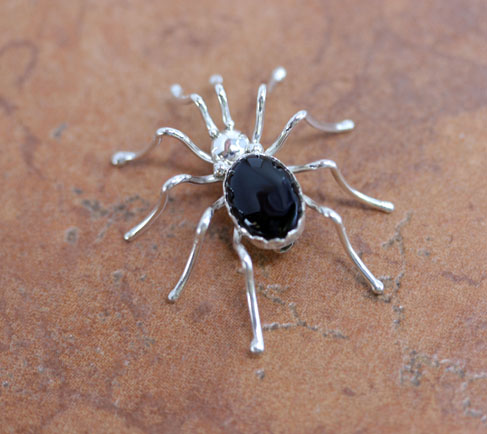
<point>228,146</point>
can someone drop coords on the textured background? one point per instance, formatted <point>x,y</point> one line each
<point>87,340</point>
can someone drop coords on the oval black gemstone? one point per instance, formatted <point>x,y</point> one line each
<point>263,197</point>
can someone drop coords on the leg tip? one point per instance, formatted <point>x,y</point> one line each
<point>257,347</point>
<point>378,287</point>
<point>177,90</point>
<point>216,79</point>
<point>173,296</point>
<point>384,206</point>
<point>122,157</point>
<point>279,74</point>
<point>346,125</point>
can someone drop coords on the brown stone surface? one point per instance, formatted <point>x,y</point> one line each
<point>87,340</point>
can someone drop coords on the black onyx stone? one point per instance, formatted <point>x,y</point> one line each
<point>263,197</point>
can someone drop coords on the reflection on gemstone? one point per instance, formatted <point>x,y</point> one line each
<point>263,197</point>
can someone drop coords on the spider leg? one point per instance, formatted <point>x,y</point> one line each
<point>217,80</point>
<point>276,77</point>
<point>177,92</point>
<point>376,285</point>
<point>257,344</point>
<point>259,113</point>
<point>122,157</point>
<point>381,205</point>
<point>201,229</point>
<point>338,127</point>
<point>156,211</point>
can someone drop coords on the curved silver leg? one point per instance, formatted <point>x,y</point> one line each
<point>381,205</point>
<point>376,285</point>
<point>201,229</point>
<point>276,77</point>
<point>259,113</point>
<point>217,80</point>
<point>257,344</point>
<point>331,127</point>
<point>298,117</point>
<point>161,204</point>
<point>339,127</point>
<point>177,92</point>
<point>122,157</point>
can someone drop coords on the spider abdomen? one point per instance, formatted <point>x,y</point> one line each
<point>264,198</point>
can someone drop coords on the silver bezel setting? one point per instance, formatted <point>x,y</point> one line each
<point>261,242</point>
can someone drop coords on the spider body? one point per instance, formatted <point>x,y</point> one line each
<point>265,201</point>
<point>261,194</point>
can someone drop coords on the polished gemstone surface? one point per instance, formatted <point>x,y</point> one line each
<point>263,197</point>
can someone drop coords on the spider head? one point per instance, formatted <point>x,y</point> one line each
<point>228,146</point>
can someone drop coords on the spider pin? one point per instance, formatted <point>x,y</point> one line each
<point>261,194</point>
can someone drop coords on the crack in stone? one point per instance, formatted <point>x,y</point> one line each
<point>462,278</point>
<point>397,239</point>
<point>276,326</point>
<point>71,235</point>
<point>112,213</point>
<point>417,364</point>
<point>267,292</point>
<point>58,131</point>
<point>412,370</point>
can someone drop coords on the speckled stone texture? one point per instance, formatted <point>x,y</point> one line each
<point>88,342</point>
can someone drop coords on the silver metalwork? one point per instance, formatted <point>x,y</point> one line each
<point>161,204</point>
<point>259,115</point>
<point>338,127</point>
<point>376,285</point>
<point>277,76</point>
<point>201,229</point>
<point>228,146</point>
<point>123,157</point>
<point>381,205</point>
<point>257,344</point>
<point>217,81</point>
<point>177,92</point>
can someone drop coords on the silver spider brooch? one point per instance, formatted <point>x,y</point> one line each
<point>261,194</point>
